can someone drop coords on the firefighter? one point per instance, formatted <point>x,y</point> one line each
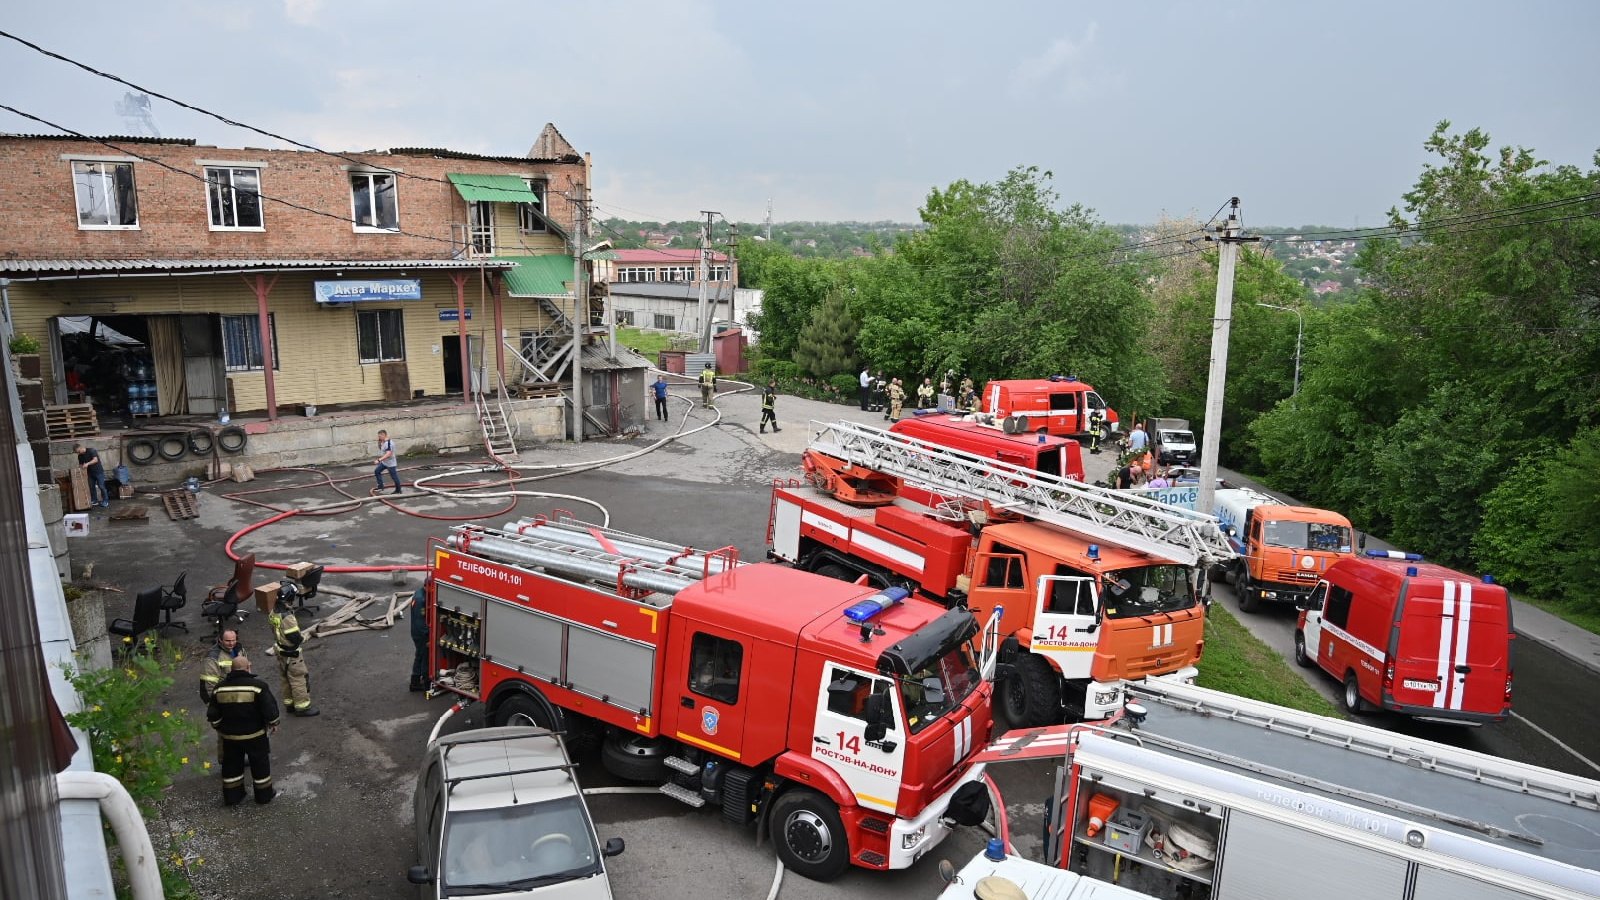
<point>243,711</point>
<point>708,387</point>
<point>1097,425</point>
<point>289,645</point>
<point>769,403</point>
<point>925,394</point>
<point>217,663</point>
<point>419,638</point>
<point>897,399</point>
<point>969,397</point>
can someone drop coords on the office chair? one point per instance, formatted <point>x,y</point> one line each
<point>308,589</point>
<point>146,616</point>
<point>222,603</point>
<point>174,599</point>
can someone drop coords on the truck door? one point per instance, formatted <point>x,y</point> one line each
<point>1066,622</point>
<point>1311,621</point>
<point>1066,416</point>
<point>850,703</point>
<point>1000,578</point>
<point>1450,651</point>
<point>709,690</point>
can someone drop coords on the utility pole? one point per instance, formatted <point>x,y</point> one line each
<point>769,218</point>
<point>580,313</point>
<point>1221,326</point>
<point>705,254</point>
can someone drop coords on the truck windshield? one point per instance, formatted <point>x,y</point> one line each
<point>938,687</point>
<point>1177,437</point>
<point>1146,590</point>
<point>1307,536</point>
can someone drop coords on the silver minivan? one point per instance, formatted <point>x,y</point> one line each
<point>500,814</point>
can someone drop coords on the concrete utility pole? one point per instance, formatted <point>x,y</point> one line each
<point>705,255</point>
<point>580,313</point>
<point>1221,326</point>
<point>769,218</point>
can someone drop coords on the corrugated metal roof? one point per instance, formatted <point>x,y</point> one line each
<point>493,188</point>
<point>538,276</point>
<point>14,267</point>
<point>595,358</point>
<point>443,153</point>
<point>117,138</point>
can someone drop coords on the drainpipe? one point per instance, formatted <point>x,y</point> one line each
<point>117,805</point>
<point>5,298</point>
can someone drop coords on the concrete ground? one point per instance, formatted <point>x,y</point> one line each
<point>342,825</point>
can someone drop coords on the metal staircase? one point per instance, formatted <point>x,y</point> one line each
<point>1114,517</point>
<point>498,437</point>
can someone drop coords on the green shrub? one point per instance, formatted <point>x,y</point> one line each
<point>846,384</point>
<point>21,342</point>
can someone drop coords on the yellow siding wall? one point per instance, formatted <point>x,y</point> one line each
<point>317,349</point>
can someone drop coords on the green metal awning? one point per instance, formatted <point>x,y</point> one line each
<point>494,188</point>
<point>538,276</point>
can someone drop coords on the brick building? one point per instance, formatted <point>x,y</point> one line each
<point>165,277</point>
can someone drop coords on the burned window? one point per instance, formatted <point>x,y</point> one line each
<point>373,202</point>
<point>105,194</point>
<point>715,666</point>
<point>234,196</point>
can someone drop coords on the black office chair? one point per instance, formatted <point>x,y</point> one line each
<point>308,589</point>
<point>146,616</point>
<point>222,603</point>
<point>175,598</point>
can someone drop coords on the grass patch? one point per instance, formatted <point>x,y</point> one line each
<point>1587,619</point>
<point>1238,662</point>
<point>648,343</point>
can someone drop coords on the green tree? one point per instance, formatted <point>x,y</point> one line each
<point>826,345</point>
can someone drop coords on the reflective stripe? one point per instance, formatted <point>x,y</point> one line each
<point>242,737</point>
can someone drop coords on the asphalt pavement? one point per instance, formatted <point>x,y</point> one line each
<point>342,825</point>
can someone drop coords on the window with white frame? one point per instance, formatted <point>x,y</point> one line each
<point>381,335</point>
<point>234,195</point>
<point>717,273</point>
<point>665,322</point>
<point>373,202</point>
<point>533,214</point>
<point>105,193</point>
<point>677,273</point>
<point>241,342</point>
<point>625,317</point>
<point>636,273</point>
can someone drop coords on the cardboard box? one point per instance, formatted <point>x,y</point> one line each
<point>77,524</point>
<point>299,571</point>
<point>267,596</point>
<point>124,492</point>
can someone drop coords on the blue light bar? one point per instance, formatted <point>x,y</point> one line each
<point>877,603</point>
<point>1394,554</point>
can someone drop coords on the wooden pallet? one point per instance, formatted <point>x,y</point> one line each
<point>180,505</point>
<point>131,514</point>
<point>71,421</point>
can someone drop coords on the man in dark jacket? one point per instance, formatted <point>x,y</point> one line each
<point>769,410</point>
<point>243,711</point>
<point>419,636</point>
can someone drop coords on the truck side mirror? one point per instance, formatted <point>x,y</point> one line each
<point>1361,541</point>
<point>613,847</point>
<point>878,717</point>
<point>419,875</point>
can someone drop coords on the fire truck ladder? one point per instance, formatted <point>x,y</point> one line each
<point>591,554</point>
<point>1114,517</point>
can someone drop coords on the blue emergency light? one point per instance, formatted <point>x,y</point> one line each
<point>1394,554</point>
<point>877,603</point>
<point>1094,551</point>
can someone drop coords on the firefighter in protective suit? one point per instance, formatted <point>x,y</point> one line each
<point>289,644</point>
<point>1097,425</point>
<point>708,387</point>
<point>243,711</point>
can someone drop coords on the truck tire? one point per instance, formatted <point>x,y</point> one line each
<point>232,439</point>
<point>1031,697</point>
<point>1350,697</point>
<point>811,839</point>
<point>1248,596</point>
<point>173,446</point>
<point>634,757</point>
<point>142,450</point>
<point>1302,658</point>
<point>525,709</point>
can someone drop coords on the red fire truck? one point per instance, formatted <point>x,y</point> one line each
<point>836,716</point>
<point>1090,586</point>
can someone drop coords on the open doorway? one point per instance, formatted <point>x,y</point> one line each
<point>451,357</point>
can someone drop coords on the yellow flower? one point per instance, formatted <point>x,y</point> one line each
<point>183,711</point>
<point>208,765</point>
<point>166,714</point>
<point>97,708</point>
<point>119,759</point>
<point>178,657</point>
<point>127,640</point>
<point>184,760</point>
<point>200,861</point>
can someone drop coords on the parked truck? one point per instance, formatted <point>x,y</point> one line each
<point>1173,442</point>
<point>1090,586</point>
<point>836,717</point>
<point>1197,794</point>
<point>1060,405</point>
<point>1282,550</point>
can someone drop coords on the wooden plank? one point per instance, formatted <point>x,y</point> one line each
<point>396,381</point>
<point>129,513</point>
<point>80,488</point>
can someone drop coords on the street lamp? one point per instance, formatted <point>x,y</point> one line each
<point>1299,336</point>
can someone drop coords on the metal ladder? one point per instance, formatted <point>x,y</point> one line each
<point>1126,520</point>
<point>563,551</point>
<point>496,430</point>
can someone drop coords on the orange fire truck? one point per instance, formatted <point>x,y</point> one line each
<point>1090,586</point>
<point>838,717</point>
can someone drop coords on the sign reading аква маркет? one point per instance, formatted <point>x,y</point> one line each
<point>368,290</point>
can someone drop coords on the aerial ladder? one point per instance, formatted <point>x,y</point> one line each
<point>1128,520</point>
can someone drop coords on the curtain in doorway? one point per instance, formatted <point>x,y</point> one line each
<point>166,345</point>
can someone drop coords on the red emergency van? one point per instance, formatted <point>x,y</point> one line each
<point>1040,452</point>
<point>1404,635</point>
<point>1060,405</point>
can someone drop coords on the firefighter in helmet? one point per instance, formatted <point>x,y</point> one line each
<point>289,644</point>
<point>708,387</point>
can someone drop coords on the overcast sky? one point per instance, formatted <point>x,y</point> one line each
<point>1310,113</point>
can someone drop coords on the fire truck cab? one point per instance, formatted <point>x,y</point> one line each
<point>838,714</point>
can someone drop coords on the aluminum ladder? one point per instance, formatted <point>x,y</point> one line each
<point>1126,520</point>
<point>633,564</point>
<point>497,436</point>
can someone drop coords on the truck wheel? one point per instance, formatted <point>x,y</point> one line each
<point>1032,695</point>
<point>811,839</point>
<point>836,572</point>
<point>1300,656</point>
<point>635,757</point>
<point>526,710</point>
<point>1351,698</point>
<point>1248,597</point>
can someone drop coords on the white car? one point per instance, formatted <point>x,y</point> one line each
<point>499,814</point>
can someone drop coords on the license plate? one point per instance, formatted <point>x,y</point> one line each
<point>1415,685</point>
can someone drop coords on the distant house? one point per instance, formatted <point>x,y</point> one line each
<point>1327,287</point>
<point>657,239</point>
<point>659,290</point>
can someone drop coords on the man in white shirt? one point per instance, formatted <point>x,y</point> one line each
<point>866,387</point>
